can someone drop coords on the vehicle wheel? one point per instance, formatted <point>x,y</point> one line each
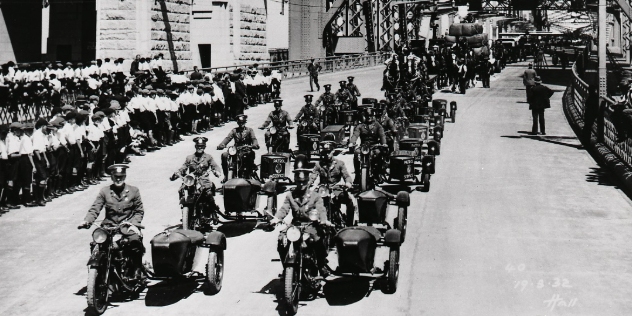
<point>214,271</point>
<point>350,217</point>
<point>97,292</point>
<point>292,290</point>
<point>230,174</point>
<point>442,120</point>
<point>402,221</point>
<point>453,115</point>
<point>364,178</point>
<point>187,220</point>
<point>393,271</point>
<point>425,181</point>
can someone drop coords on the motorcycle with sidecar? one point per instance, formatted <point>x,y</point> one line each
<point>371,159</point>
<point>239,164</point>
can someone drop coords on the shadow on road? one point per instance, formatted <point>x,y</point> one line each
<point>346,291</point>
<point>275,287</point>
<point>568,141</point>
<point>601,177</point>
<point>170,292</point>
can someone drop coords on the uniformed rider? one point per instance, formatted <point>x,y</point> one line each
<point>354,92</point>
<point>243,136</point>
<point>302,202</point>
<point>369,131</point>
<point>327,98</point>
<point>331,171</point>
<point>390,129</point>
<point>308,113</point>
<point>343,95</point>
<point>280,120</point>
<point>200,163</point>
<point>123,206</point>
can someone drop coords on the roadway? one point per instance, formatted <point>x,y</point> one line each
<point>513,225</point>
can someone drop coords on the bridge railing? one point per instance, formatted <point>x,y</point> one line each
<point>298,68</point>
<point>604,128</point>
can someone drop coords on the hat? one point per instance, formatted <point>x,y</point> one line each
<point>83,112</point>
<point>308,97</point>
<point>242,118</point>
<point>350,78</point>
<point>59,65</point>
<point>302,175</point>
<point>79,64</point>
<point>41,122</point>
<point>94,97</point>
<point>160,91</point>
<point>118,170</point>
<point>278,102</point>
<point>71,115</point>
<point>343,82</point>
<point>115,106</point>
<point>94,62</point>
<point>144,91</point>
<point>107,111</point>
<point>15,125</point>
<point>57,122</point>
<point>67,107</point>
<point>537,79</point>
<point>327,86</point>
<point>68,64</point>
<point>200,141</point>
<point>28,125</point>
<point>190,87</point>
<point>199,91</point>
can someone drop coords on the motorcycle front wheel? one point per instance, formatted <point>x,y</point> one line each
<point>214,271</point>
<point>292,290</point>
<point>97,292</point>
<point>364,178</point>
<point>393,271</point>
<point>402,221</point>
<point>187,218</point>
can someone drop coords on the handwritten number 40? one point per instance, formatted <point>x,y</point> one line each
<point>511,268</point>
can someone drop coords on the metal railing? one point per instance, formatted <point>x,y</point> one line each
<point>604,128</point>
<point>298,68</point>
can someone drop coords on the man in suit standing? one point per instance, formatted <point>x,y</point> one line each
<point>240,94</point>
<point>528,79</point>
<point>540,96</point>
<point>313,68</point>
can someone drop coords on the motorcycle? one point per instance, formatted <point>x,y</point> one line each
<point>307,126</point>
<point>371,161</point>
<point>197,213</point>
<point>328,115</point>
<point>279,142</point>
<point>300,268</point>
<point>239,165</point>
<point>111,269</point>
<point>334,214</point>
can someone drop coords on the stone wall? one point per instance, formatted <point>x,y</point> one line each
<point>137,27</point>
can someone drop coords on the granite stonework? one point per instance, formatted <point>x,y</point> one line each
<point>137,27</point>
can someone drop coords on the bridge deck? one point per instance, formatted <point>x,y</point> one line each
<point>511,221</point>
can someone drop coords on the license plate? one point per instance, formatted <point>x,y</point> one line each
<point>278,161</point>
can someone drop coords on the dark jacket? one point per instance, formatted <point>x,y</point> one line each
<point>126,207</point>
<point>540,96</point>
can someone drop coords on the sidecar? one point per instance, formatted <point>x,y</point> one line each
<point>174,256</point>
<point>308,146</point>
<point>335,133</point>
<point>350,120</point>
<point>358,247</point>
<point>411,160</point>
<point>241,198</point>
<point>275,166</point>
<point>440,106</point>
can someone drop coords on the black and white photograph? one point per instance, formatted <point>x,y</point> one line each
<point>316,157</point>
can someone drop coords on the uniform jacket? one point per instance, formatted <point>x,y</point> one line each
<point>126,207</point>
<point>327,98</point>
<point>372,132</point>
<point>307,111</point>
<point>343,95</point>
<point>330,174</point>
<point>278,119</point>
<point>388,125</point>
<point>245,136</point>
<point>353,89</point>
<point>540,97</point>
<point>300,205</point>
<point>240,90</point>
<point>314,68</point>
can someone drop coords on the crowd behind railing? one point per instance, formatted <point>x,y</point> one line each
<point>62,125</point>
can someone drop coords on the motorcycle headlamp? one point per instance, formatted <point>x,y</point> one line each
<point>273,130</point>
<point>99,236</point>
<point>304,123</point>
<point>365,150</point>
<point>305,236</point>
<point>293,234</point>
<point>189,180</point>
<point>322,108</point>
<point>232,150</point>
<point>313,215</point>
<point>437,133</point>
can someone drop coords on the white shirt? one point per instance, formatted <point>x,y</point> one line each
<point>3,150</point>
<point>219,94</point>
<point>39,140</point>
<point>53,141</point>
<point>26,146</point>
<point>13,143</point>
<point>61,136</point>
<point>94,133</point>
